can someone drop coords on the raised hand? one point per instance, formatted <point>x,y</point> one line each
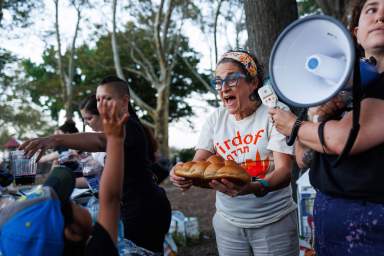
<point>112,123</point>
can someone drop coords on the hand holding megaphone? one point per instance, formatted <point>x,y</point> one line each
<point>283,120</point>
<point>314,59</point>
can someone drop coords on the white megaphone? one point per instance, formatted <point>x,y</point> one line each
<point>312,60</point>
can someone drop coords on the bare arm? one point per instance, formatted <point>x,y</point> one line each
<point>336,133</point>
<point>49,157</point>
<point>111,182</point>
<point>280,177</point>
<point>90,142</point>
<point>201,155</point>
<point>87,141</point>
<point>303,155</point>
<point>111,187</point>
<point>81,182</point>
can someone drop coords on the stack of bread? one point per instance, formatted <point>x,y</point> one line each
<point>215,167</point>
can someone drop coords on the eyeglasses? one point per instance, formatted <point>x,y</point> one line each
<point>230,81</point>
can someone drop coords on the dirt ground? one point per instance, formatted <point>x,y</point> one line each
<point>200,203</point>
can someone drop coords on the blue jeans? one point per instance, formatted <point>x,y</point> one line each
<point>348,227</point>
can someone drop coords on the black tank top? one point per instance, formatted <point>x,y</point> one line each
<point>358,176</point>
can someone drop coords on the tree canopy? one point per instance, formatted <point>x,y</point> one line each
<point>94,63</point>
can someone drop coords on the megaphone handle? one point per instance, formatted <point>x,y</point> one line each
<point>299,120</point>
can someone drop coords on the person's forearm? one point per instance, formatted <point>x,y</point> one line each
<point>112,177</point>
<point>278,178</point>
<point>202,155</point>
<point>335,134</point>
<point>111,184</point>
<point>303,155</point>
<point>81,182</point>
<point>308,136</point>
<point>49,157</point>
<point>90,142</point>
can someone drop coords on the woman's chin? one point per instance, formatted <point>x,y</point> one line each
<point>231,110</point>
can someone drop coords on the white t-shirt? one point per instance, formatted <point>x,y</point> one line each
<point>250,141</point>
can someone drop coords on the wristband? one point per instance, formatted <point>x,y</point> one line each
<point>295,130</point>
<point>264,184</point>
<point>320,133</point>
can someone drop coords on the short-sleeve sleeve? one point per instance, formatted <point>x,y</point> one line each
<point>277,141</point>
<point>205,140</point>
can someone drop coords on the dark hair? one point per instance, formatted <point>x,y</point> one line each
<point>69,126</point>
<point>89,104</point>
<point>122,88</point>
<point>249,78</point>
<point>357,7</point>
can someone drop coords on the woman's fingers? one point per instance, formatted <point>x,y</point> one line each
<point>219,186</point>
<point>229,185</point>
<point>180,182</point>
<point>283,120</point>
<point>31,147</point>
<point>124,119</point>
<point>114,114</point>
<point>40,155</point>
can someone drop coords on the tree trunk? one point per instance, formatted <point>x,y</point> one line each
<point>68,105</point>
<point>66,78</point>
<point>161,124</point>
<point>265,20</point>
<point>336,8</point>
<point>119,68</point>
<point>1,10</point>
<point>217,13</point>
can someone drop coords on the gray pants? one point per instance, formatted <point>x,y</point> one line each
<point>276,239</point>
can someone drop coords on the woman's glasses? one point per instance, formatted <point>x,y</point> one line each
<point>230,81</point>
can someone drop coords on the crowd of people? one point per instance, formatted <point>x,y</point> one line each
<point>255,218</point>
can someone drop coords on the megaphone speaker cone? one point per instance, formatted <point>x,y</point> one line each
<point>311,61</point>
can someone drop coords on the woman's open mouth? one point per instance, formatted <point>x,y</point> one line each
<point>229,100</point>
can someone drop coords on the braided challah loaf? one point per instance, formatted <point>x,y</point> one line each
<point>215,167</point>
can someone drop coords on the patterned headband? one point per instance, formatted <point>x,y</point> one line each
<point>245,59</point>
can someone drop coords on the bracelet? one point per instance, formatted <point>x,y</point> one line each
<point>264,185</point>
<point>294,132</point>
<point>320,133</point>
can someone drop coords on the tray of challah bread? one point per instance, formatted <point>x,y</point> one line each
<point>215,167</point>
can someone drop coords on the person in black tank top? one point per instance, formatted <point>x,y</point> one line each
<point>349,205</point>
<point>141,195</point>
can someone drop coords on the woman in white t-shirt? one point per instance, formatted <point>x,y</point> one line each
<point>258,218</point>
<point>91,117</point>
